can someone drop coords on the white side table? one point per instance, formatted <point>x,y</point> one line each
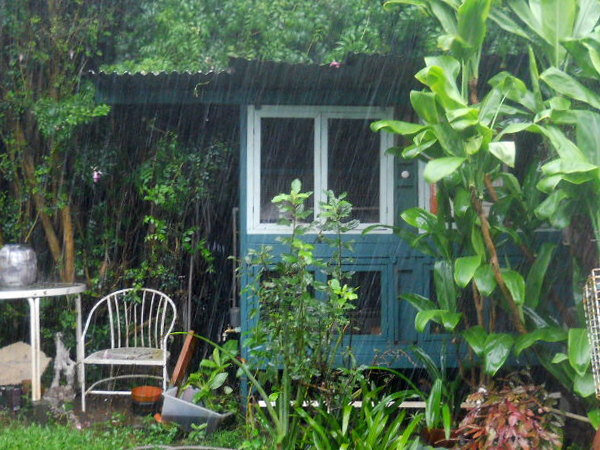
<point>33,294</point>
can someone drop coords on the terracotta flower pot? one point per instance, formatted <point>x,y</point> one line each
<point>146,399</point>
<point>436,437</point>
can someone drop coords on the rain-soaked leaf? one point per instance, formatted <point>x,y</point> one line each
<point>464,269</point>
<point>579,350</point>
<point>505,151</point>
<point>475,337</point>
<point>218,380</point>
<point>419,218</point>
<point>442,167</point>
<point>397,126</point>
<point>419,302</point>
<point>485,279</point>
<point>559,357</point>
<point>549,334</point>
<point>496,351</point>
<point>594,416</point>
<point>515,284</point>
<point>584,385</point>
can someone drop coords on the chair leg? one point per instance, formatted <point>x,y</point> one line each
<point>82,387</point>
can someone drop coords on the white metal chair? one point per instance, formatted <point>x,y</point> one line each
<point>136,324</point>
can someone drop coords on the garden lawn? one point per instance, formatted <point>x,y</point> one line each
<point>19,435</point>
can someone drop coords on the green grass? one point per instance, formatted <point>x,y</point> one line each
<point>17,434</point>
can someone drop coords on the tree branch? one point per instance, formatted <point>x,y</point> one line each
<point>489,243</point>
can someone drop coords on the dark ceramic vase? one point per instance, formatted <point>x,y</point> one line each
<point>18,265</point>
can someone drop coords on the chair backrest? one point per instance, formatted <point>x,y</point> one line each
<point>134,317</point>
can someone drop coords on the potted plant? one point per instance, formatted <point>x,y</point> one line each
<point>207,397</point>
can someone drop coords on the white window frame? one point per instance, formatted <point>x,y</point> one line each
<point>320,114</point>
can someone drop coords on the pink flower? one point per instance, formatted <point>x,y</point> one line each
<point>335,64</point>
<point>96,175</point>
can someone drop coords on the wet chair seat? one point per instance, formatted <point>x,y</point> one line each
<point>135,324</point>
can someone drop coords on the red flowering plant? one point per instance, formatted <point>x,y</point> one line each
<point>515,416</point>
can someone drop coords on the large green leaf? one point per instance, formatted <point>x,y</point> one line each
<point>441,168</point>
<point>433,405</point>
<point>464,269</point>
<point>534,76</point>
<point>565,148</point>
<point>420,218</point>
<point>472,24</point>
<point>560,357</point>
<point>496,351</point>
<point>514,89</point>
<point>513,128</point>
<point>587,17</point>
<point>418,147</point>
<point>485,279</point>
<point>549,334</point>
<point>449,320</point>
<point>218,380</point>
<point>505,22</point>
<point>477,241</point>
<point>551,20</point>
<point>557,21</point>
<point>475,337</point>
<point>424,317</point>
<point>452,141</point>
<point>462,118</point>
<point>397,126</point>
<point>537,273</point>
<point>445,14</point>
<point>565,84</point>
<point>567,167</point>
<point>579,350</point>
<point>584,55</point>
<point>439,77</point>
<point>505,151</point>
<point>587,125</point>
<point>515,284</point>
<point>550,205</point>
<point>448,64</point>
<point>548,184</point>
<point>425,105</point>
<point>584,385</point>
<point>462,202</point>
<point>521,9</point>
<point>443,279</point>
<point>419,302</point>
<point>594,416</point>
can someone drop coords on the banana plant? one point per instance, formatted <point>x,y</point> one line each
<point>467,143</point>
<point>465,25</point>
<point>565,33</point>
<point>466,150</point>
<point>546,24</point>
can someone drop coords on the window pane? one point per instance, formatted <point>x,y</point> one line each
<point>287,152</point>
<point>353,162</point>
<point>366,318</point>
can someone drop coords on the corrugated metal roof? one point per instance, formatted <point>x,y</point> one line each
<point>359,80</point>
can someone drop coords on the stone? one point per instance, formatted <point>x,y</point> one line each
<point>15,361</point>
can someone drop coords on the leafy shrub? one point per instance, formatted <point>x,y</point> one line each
<point>213,380</point>
<point>377,423</point>
<point>517,415</point>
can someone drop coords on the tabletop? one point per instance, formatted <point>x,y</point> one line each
<point>37,290</point>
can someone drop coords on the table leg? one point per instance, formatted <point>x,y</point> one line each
<point>34,325</point>
<point>79,346</point>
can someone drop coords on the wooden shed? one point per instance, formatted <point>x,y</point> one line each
<point>312,122</point>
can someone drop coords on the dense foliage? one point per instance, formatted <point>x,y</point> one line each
<point>506,164</point>
<point>203,34</point>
